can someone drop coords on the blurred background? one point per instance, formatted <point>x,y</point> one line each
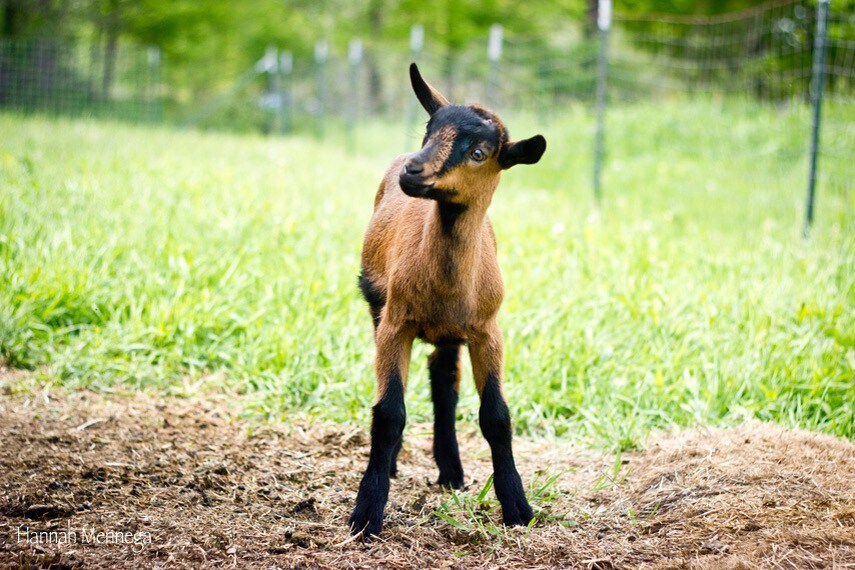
<point>184,185</point>
<point>235,65</point>
<point>326,67</point>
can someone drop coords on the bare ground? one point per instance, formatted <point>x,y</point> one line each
<point>199,487</point>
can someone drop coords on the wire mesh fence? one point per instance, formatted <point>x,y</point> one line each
<point>757,62</point>
<point>837,137</point>
<point>702,71</point>
<point>763,54</point>
<point>57,77</point>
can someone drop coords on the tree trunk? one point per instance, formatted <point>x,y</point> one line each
<point>10,18</point>
<point>451,50</point>
<point>591,12</point>
<point>111,25</point>
<point>376,103</point>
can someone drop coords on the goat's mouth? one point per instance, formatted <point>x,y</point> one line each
<point>415,186</point>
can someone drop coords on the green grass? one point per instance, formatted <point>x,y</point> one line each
<point>478,515</point>
<point>148,258</point>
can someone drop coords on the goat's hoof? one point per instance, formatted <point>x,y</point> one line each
<point>450,482</point>
<point>517,514</point>
<point>367,519</point>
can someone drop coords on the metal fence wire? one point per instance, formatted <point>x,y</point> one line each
<point>788,55</point>
<point>761,58</point>
<point>58,77</point>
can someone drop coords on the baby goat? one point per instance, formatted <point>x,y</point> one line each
<point>429,270</point>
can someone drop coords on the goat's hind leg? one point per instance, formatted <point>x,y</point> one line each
<point>444,366</point>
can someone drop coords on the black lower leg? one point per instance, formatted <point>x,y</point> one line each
<point>444,379</point>
<point>387,425</point>
<point>393,467</point>
<point>496,426</point>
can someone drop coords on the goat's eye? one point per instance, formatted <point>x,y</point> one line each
<point>478,155</point>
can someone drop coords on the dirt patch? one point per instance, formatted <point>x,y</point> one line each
<point>198,487</point>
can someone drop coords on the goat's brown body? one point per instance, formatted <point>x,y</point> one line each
<point>444,283</point>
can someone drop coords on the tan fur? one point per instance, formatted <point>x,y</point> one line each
<point>444,141</point>
<point>437,285</point>
<point>394,345</point>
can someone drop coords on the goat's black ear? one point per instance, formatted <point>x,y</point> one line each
<point>430,98</point>
<point>526,151</point>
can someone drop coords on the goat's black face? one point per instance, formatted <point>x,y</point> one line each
<point>464,150</point>
<point>457,137</point>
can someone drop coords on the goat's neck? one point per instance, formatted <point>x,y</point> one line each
<point>454,240</point>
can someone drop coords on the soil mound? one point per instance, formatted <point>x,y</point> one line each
<point>187,483</point>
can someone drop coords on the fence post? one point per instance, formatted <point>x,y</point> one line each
<point>818,73</point>
<point>494,53</point>
<point>354,56</point>
<point>417,41</point>
<point>320,85</point>
<point>604,24</point>
<point>286,66</point>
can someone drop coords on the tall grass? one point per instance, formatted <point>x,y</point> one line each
<point>144,258</point>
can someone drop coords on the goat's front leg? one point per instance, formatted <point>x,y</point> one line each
<point>393,466</point>
<point>394,344</point>
<point>485,350</point>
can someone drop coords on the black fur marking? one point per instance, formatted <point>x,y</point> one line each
<point>387,426</point>
<point>444,371</point>
<point>375,297</point>
<point>495,420</point>
<point>472,126</point>
<point>448,214</point>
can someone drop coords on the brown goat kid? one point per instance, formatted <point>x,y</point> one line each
<point>429,271</point>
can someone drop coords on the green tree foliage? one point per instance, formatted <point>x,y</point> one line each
<point>207,44</point>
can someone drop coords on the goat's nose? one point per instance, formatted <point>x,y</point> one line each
<point>414,167</point>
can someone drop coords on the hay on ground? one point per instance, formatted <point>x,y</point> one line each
<point>209,489</point>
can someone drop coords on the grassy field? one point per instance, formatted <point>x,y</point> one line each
<point>148,258</point>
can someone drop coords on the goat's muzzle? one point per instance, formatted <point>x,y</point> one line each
<point>414,183</point>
